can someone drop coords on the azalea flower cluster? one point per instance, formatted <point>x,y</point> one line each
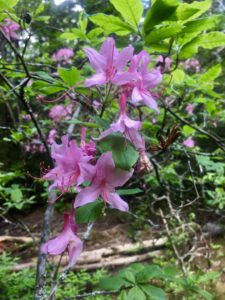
<point>59,112</point>
<point>63,56</point>
<point>9,28</point>
<point>76,165</point>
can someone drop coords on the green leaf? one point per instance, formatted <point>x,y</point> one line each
<point>205,294</point>
<point>178,76</point>
<point>68,36</point>
<point>164,32</point>
<point>210,75</point>
<point>188,11</point>
<point>123,296</point>
<point>4,5</point>
<point>124,155</point>
<point>85,124</point>
<point>89,212</point>
<point>42,18</point>
<point>136,294</point>
<point>153,292</point>
<point>207,41</point>
<point>202,24</point>
<point>212,40</point>
<point>208,276</point>
<point>129,276</point>
<point>39,9</point>
<point>112,283</point>
<point>111,24</point>
<point>78,33</point>
<point>70,76</point>
<point>131,10</point>
<point>16,195</point>
<point>44,76</point>
<point>187,130</point>
<point>94,33</point>
<point>129,191</point>
<point>149,272</point>
<point>83,21</point>
<point>160,11</point>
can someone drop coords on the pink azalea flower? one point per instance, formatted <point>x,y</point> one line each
<point>66,240</point>
<point>164,63</point>
<point>189,109</point>
<point>192,64</point>
<point>52,135</point>
<point>9,28</point>
<point>59,112</point>
<point>105,179</point>
<point>125,125</point>
<point>189,142</point>
<point>72,167</point>
<point>87,148</point>
<point>63,55</point>
<point>139,80</point>
<point>107,62</point>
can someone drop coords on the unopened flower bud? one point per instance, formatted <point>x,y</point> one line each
<point>144,165</point>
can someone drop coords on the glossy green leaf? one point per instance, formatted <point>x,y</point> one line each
<point>79,33</point>
<point>70,76</point>
<point>111,24</point>
<point>202,24</point>
<point>94,33</point>
<point>89,212</point>
<point>124,155</point>
<point>164,32</point>
<point>193,10</point>
<point>131,10</point>
<point>68,36</point>
<point>207,41</point>
<point>160,11</point>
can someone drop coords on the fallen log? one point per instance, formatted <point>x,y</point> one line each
<point>115,255</point>
<point>21,239</point>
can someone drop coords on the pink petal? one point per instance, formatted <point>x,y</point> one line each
<point>57,245</point>
<point>131,123</point>
<point>118,177</point>
<point>87,195</point>
<point>152,79</point>
<point>107,51</point>
<point>104,134</point>
<point>75,248</point>
<point>99,78</point>
<point>87,172</point>
<point>116,202</point>
<point>123,57</point>
<point>149,100</point>
<point>97,61</point>
<point>105,165</point>
<point>122,78</point>
<point>136,95</point>
<point>134,136</point>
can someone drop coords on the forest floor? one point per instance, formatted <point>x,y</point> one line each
<point>110,232</point>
